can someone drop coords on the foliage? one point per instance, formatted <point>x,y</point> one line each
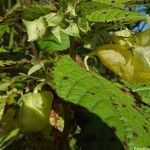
<point>116,108</point>
<point>73,75</point>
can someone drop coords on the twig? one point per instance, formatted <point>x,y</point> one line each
<point>67,127</point>
<point>35,52</point>
<point>72,48</point>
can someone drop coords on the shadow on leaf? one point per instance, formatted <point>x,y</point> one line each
<point>95,134</point>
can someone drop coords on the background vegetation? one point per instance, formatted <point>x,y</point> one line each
<point>74,74</point>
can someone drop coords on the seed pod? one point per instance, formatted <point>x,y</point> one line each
<point>36,29</point>
<point>131,65</point>
<point>143,38</point>
<point>35,111</point>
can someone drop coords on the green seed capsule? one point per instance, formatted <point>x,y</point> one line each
<point>35,111</point>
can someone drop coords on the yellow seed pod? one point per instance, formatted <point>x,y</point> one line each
<point>123,37</point>
<point>133,66</point>
<point>143,38</point>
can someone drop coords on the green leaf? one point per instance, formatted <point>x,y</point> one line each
<point>5,85</point>
<point>53,44</point>
<point>98,12</point>
<point>1,63</point>
<point>83,25</point>
<point>36,29</point>
<point>95,38</point>
<point>118,3</point>
<point>117,109</point>
<point>2,50</point>
<point>143,90</point>
<point>13,9</point>
<point>2,106</point>
<point>35,68</point>
<point>3,29</point>
<point>5,140</point>
<point>34,11</point>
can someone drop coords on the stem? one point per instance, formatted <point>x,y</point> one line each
<point>72,48</point>
<point>38,87</point>
<point>67,127</point>
<point>11,39</point>
<point>9,4</point>
<point>14,8</point>
<point>18,66</point>
<point>86,63</point>
<point>3,5</point>
<point>35,52</point>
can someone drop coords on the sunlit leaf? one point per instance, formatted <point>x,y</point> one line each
<point>99,12</point>
<point>2,105</point>
<point>35,68</point>
<point>5,85</point>
<point>119,3</point>
<point>117,109</point>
